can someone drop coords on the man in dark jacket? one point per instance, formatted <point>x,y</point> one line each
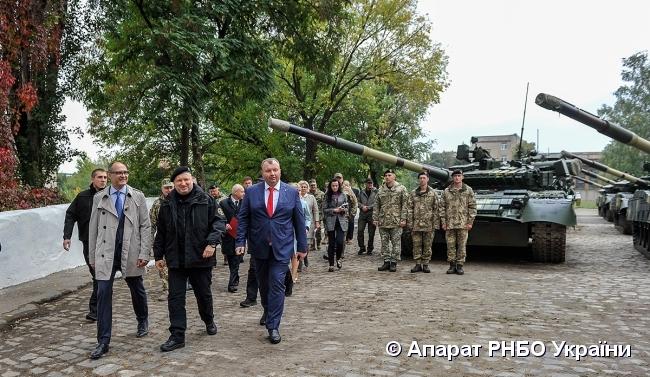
<point>190,226</point>
<point>79,212</point>
<point>230,207</point>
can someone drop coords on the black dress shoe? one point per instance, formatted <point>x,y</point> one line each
<point>274,336</point>
<point>211,328</point>
<point>143,329</point>
<point>99,351</point>
<point>91,317</point>
<point>171,344</point>
<point>263,319</point>
<point>247,303</point>
<point>369,252</point>
<point>232,289</point>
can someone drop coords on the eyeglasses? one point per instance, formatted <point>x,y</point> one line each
<point>125,172</point>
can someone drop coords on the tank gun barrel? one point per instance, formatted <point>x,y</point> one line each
<point>606,169</point>
<point>591,174</point>
<point>606,128</point>
<point>349,146</point>
<point>585,180</point>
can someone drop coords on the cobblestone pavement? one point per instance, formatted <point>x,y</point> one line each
<point>340,323</point>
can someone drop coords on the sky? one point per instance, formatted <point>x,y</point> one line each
<point>572,49</point>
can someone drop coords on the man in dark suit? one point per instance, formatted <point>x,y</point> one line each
<point>79,212</point>
<point>270,217</point>
<point>230,207</point>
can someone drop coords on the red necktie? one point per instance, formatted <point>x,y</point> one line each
<point>269,203</point>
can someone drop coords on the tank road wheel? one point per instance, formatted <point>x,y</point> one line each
<point>609,215</point>
<point>641,237</point>
<point>549,242</point>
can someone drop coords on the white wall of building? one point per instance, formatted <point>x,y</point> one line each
<point>31,244</point>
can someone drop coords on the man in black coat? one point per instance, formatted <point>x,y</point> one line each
<point>230,207</point>
<point>79,211</point>
<point>190,226</point>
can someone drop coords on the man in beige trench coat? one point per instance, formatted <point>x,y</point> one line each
<point>119,240</point>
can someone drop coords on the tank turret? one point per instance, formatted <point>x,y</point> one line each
<point>606,128</point>
<point>519,204</point>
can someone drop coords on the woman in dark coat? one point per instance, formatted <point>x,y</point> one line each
<point>335,210</point>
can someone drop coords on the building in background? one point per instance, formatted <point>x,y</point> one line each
<point>501,147</point>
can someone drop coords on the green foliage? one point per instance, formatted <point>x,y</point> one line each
<point>70,185</point>
<point>385,72</point>
<point>162,68</point>
<point>632,111</point>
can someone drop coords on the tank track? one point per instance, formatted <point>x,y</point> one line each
<point>641,237</point>
<point>549,242</point>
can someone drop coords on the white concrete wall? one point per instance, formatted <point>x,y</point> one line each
<point>31,244</point>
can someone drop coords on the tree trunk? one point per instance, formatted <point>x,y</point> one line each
<point>185,145</point>
<point>197,155</point>
<point>311,147</point>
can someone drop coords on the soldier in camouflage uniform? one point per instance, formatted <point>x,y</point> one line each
<point>389,215</point>
<point>423,220</point>
<point>319,195</point>
<point>457,213</point>
<point>166,187</point>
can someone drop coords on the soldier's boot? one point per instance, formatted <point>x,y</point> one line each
<point>425,268</point>
<point>417,268</point>
<point>393,267</point>
<point>452,268</point>
<point>459,269</point>
<point>384,267</point>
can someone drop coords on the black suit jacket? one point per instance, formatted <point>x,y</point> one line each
<point>230,211</point>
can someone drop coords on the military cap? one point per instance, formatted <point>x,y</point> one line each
<point>166,183</point>
<point>212,187</point>
<point>457,171</point>
<point>389,171</point>
<point>369,180</point>
<point>338,175</point>
<point>178,171</point>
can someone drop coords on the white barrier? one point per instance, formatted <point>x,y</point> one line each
<point>31,244</point>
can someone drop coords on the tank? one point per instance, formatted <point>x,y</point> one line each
<point>617,195</point>
<point>605,195</point>
<point>638,205</point>
<point>519,204</point>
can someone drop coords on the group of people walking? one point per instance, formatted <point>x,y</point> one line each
<point>271,220</point>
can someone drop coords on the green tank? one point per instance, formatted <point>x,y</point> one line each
<point>638,206</point>
<point>520,204</point>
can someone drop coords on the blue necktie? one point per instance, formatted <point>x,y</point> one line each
<point>118,204</point>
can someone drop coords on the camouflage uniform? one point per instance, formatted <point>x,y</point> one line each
<point>319,195</point>
<point>424,219</point>
<point>391,207</point>
<point>457,210</point>
<point>153,217</point>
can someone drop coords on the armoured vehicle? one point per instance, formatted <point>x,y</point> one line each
<point>519,204</point>
<point>618,193</point>
<point>639,205</point>
<point>605,195</point>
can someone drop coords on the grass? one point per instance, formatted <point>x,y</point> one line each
<point>589,204</point>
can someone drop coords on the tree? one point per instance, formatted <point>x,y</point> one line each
<point>162,69</point>
<point>31,35</point>
<point>382,41</point>
<point>632,111</point>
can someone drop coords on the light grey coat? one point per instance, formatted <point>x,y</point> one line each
<point>103,226</point>
<point>329,217</point>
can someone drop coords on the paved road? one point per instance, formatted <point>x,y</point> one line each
<point>339,323</point>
